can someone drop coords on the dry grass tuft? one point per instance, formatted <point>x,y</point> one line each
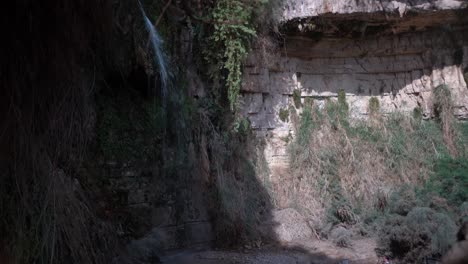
<point>46,113</point>
<point>443,111</point>
<point>338,161</point>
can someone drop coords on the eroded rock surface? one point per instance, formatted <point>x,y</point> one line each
<point>288,225</point>
<point>308,8</point>
<point>395,51</point>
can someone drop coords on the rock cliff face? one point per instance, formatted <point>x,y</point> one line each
<point>308,8</point>
<point>396,51</point>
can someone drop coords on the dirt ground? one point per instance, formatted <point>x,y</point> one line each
<point>300,252</point>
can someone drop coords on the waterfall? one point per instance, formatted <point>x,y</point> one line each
<point>160,61</point>
<point>159,58</point>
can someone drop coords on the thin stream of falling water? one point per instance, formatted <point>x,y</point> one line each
<point>160,61</point>
<point>159,58</point>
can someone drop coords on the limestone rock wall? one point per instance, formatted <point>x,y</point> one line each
<point>398,59</point>
<point>308,8</point>
<point>174,209</point>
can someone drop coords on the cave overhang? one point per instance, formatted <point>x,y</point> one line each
<point>360,24</point>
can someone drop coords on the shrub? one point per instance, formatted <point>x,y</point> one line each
<point>241,126</point>
<point>284,115</point>
<point>309,101</point>
<point>443,112</point>
<point>417,113</point>
<point>341,210</point>
<point>450,180</point>
<point>402,201</point>
<point>374,106</point>
<point>341,166</point>
<point>422,233</point>
<point>342,101</point>
<point>337,112</point>
<point>341,236</point>
<point>463,212</point>
<point>297,98</point>
<point>307,125</point>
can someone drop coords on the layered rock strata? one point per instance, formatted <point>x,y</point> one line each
<point>396,51</point>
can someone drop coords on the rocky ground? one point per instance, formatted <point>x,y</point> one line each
<point>298,252</point>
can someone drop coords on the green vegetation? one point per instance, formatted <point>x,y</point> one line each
<point>284,114</point>
<point>342,237</point>
<point>235,26</point>
<point>417,113</point>
<point>233,32</point>
<point>443,111</point>
<point>449,180</point>
<point>242,126</point>
<point>129,127</point>
<point>297,98</point>
<point>374,106</point>
<point>365,174</point>
<point>342,101</point>
<point>421,233</point>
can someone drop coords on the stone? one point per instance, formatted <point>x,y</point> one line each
<point>288,225</point>
<point>397,56</point>
<point>307,8</point>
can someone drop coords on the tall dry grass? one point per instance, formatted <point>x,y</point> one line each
<point>49,67</point>
<point>341,166</point>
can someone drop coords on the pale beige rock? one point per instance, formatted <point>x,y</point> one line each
<point>308,8</point>
<point>288,225</point>
<point>398,56</point>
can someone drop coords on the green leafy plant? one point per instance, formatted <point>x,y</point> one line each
<point>233,32</point>
<point>241,125</point>
<point>422,233</point>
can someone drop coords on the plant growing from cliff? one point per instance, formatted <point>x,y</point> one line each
<point>344,107</point>
<point>284,114</point>
<point>417,113</point>
<point>443,112</point>
<point>241,125</point>
<point>297,98</point>
<point>233,32</point>
<point>374,106</point>
<point>338,111</point>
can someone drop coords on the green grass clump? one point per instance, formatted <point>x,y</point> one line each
<point>342,101</point>
<point>417,113</point>
<point>450,180</point>
<point>297,98</point>
<point>284,115</point>
<point>374,106</point>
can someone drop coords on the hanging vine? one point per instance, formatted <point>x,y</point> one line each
<point>230,42</point>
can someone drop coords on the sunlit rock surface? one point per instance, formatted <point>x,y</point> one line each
<point>396,51</point>
<point>308,8</point>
